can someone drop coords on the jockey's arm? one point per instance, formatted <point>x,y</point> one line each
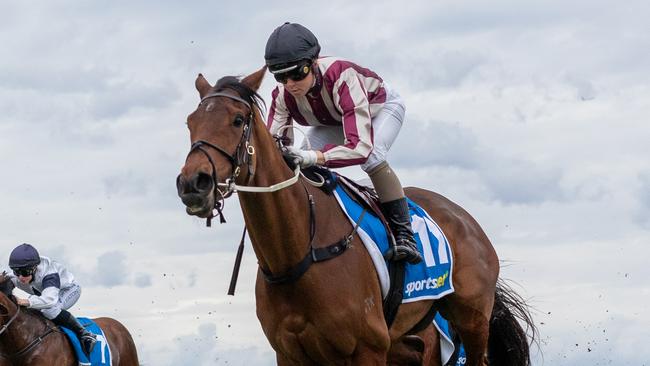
<point>320,158</point>
<point>48,298</point>
<point>279,117</point>
<point>50,294</point>
<point>18,291</point>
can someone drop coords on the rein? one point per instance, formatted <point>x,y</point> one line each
<point>243,155</point>
<point>6,326</point>
<point>32,344</point>
<point>25,350</point>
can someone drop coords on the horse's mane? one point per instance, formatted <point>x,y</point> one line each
<point>6,285</point>
<point>3,277</point>
<point>248,94</point>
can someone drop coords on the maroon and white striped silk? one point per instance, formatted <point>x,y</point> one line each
<point>345,95</point>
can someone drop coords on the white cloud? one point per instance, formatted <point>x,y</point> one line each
<point>111,269</point>
<point>142,280</point>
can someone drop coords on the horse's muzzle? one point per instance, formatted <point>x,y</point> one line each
<point>196,193</point>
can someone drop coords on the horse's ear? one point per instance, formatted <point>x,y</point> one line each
<point>254,80</point>
<point>202,85</point>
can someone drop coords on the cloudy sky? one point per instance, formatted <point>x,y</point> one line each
<point>531,115</point>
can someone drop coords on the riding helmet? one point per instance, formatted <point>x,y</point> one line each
<point>24,256</point>
<point>289,43</point>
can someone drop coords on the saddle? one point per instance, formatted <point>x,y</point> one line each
<point>364,195</point>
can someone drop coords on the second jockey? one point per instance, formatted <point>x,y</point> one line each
<point>52,290</point>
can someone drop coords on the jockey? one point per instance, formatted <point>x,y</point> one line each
<point>355,118</point>
<point>52,290</point>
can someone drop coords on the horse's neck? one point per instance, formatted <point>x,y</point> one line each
<point>19,333</point>
<point>277,222</point>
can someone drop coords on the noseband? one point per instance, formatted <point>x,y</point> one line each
<point>242,155</point>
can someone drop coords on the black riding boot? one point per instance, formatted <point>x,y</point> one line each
<point>399,220</point>
<point>87,339</point>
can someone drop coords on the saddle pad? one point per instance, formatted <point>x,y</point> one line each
<point>101,354</point>
<point>447,346</point>
<point>429,279</point>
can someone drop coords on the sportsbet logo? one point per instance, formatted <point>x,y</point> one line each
<point>427,283</point>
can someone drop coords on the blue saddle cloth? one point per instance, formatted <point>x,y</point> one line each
<point>101,354</point>
<point>452,352</point>
<point>429,279</point>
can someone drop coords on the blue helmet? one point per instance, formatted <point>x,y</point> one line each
<point>24,256</point>
<point>288,44</point>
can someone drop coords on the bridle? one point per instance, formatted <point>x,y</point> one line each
<point>242,156</point>
<point>31,344</point>
<point>11,320</point>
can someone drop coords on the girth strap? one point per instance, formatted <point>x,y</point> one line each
<point>396,291</point>
<point>314,255</point>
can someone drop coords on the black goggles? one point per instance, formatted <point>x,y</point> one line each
<point>296,74</point>
<point>27,271</point>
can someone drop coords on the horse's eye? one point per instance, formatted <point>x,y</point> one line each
<point>239,120</point>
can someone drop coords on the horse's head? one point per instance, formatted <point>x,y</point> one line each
<point>6,284</point>
<point>220,133</point>
<point>6,288</point>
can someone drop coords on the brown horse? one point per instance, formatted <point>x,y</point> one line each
<point>28,338</point>
<point>328,313</point>
<point>421,348</point>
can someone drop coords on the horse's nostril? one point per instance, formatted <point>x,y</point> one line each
<point>181,185</point>
<point>202,182</point>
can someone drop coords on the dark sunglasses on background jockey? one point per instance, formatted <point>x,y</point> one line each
<point>296,73</point>
<point>24,271</point>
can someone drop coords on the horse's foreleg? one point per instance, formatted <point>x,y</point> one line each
<point>407,350</point>
<point>421,349</point>
<point>282,360</point>
<point>431,338</point>
<point>366,356</point>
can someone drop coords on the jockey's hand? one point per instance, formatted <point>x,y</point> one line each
<point>22,302</point>
<point>305,158</point>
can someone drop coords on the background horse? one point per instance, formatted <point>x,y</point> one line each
<point>328,313</point>
<point>20,344</point>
